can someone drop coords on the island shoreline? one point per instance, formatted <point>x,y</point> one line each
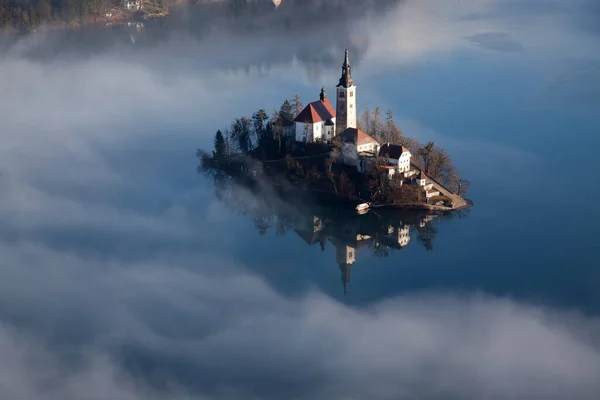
<point>124,17</point>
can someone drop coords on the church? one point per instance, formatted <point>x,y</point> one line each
<point>319,121</point>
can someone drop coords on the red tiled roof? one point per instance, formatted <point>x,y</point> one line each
<point>422,176</point>
<point>317,111</point>
<point>329,107</point>
<point>356,136</point>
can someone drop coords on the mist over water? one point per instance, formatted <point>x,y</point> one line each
<point>125,274</point>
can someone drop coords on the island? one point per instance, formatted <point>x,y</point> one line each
<point>19,16</point>
<point>333,155</point>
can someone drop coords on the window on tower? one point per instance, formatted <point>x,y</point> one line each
<point>342,95</point>
<point>351,94</point>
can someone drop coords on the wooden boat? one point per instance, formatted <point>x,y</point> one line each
<point>363,208</point>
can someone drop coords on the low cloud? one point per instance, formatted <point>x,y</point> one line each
<point>104,294</point>
<point>75,328</point>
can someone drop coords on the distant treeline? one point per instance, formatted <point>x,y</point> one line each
<point>26,15</point>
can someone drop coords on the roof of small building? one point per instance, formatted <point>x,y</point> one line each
<point>422,176</point>
<point>330,123</point>
<point>392,150</point>
<point>317,111</point>
<point>309,237</point>
<point>356,136</point>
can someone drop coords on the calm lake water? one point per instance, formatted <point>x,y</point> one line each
<point>125,274</point>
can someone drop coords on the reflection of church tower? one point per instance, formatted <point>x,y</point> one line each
<point>345,256</point>
<point>346,99</point>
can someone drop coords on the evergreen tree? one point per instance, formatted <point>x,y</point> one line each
<point>258,121</point>
<point>220,152</point>
<point>286,112</point>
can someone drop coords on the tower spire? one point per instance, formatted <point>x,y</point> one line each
<point>346,79</point>
<point>346,61</point>
<point>345,268</point>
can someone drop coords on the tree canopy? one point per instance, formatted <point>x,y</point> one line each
<point>254,135</point>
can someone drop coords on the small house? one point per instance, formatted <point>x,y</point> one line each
<point>431,193</point>
<point>422,179</point>
<point>398,156</point>
<point>132,4</point>
<point>355,141</point>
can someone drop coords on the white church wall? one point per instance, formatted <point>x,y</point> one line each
<point>319,131</point>
<point>302,131</point>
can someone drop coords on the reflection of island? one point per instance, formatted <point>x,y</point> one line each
<point>256,35</point>
<point>348,233</point>
<point>311,37</point>
<point>321,220</point>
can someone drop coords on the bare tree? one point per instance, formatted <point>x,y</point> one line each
<point>277,126</point>
<point>463,187</point>
<point>297,105</point>
<point>375,128</point>
<point>425,155</point>
<point>365,120</point>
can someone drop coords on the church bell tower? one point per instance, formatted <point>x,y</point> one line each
<point>345,100</point>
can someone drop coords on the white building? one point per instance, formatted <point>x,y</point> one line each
<point>431,193</point>
<point>422,180</point>
<point>398,237</point>
<point>397,156</point>
<point>316,122</point>
<point>424,220</point>
<point>346,248</point>
<point>346,99</point>
<point>355,141</point>
<point>427,186</point>
<point>404,235</point>
<point>319,121</point>
<point>132,4</point>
